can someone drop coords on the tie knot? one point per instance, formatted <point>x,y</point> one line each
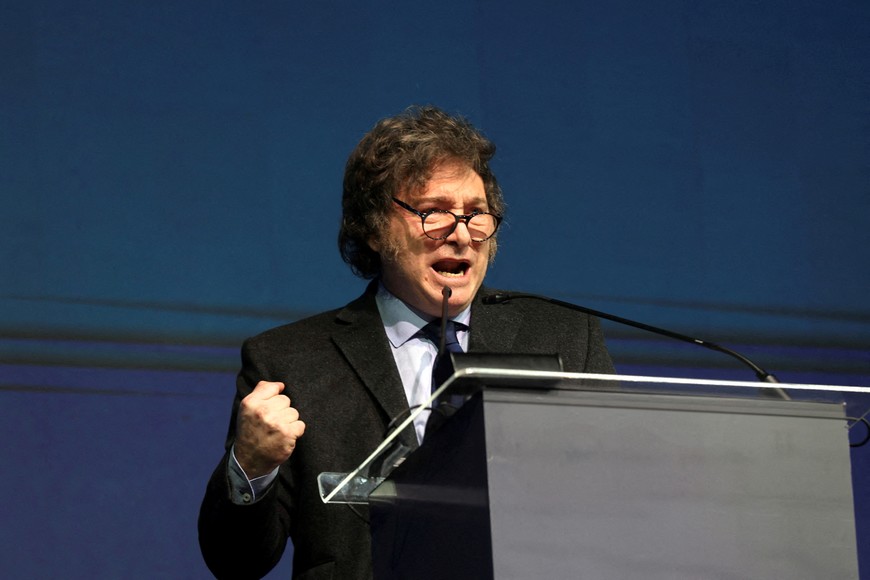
<point>432,331</point>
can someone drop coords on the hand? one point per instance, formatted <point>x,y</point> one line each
<point>267,429</point>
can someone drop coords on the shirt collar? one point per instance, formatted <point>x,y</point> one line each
<point>402,322</point>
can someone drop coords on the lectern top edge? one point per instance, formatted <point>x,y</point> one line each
<point>497,373</point>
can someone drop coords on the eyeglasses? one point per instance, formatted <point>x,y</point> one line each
<point>438,224</point>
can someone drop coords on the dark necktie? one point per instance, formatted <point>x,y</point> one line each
<point>443,368</point>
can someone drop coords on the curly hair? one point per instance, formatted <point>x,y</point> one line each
<point>401,153</point>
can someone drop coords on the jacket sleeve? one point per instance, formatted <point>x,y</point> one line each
<point>244,541</point>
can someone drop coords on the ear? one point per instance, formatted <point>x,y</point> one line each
<point>374,244</point>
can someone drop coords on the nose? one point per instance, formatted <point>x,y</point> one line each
<point>460,234</point>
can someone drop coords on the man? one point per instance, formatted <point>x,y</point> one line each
<point>421,208</point>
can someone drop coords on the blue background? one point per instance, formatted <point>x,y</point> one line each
<point>170,176</point>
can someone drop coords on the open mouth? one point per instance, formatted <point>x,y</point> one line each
<point>451,268</point>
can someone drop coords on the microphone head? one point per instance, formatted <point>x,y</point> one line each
<point>496,298</point>
<point>447,292</point>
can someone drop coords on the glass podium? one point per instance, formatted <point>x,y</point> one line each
<point>558,475</point>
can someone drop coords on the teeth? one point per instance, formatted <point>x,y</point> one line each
<point>450,274</point>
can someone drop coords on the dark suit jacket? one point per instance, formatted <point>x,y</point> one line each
<point>340,374</point>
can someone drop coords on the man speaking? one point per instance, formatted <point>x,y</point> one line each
<point>420,212</point>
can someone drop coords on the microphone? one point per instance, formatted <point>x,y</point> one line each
<point>442,368</point>
<point>446,293</point>
<point>763,376</point>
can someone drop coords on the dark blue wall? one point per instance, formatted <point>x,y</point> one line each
<point>170,176</point>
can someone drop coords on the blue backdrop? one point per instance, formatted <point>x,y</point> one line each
<point>170,176</point>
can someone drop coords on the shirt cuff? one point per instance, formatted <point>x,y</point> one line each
<point>245,491</point>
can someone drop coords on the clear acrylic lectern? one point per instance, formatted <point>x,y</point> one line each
<point>561,475</point>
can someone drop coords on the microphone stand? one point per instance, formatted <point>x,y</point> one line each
<point>763,376</point>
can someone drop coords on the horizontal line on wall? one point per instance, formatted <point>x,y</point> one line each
<point>55,389</point>
<point>858,317</point>
<point>191,307</point>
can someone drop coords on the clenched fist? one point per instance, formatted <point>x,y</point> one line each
<point>267,429</point>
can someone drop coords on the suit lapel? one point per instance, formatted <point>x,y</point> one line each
<point>361,338</point>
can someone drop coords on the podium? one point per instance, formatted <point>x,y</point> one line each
<point>561,475</point>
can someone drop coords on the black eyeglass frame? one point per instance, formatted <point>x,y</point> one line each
<point>464,217</point>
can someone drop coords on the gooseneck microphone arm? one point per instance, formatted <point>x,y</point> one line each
<point>762,375</point>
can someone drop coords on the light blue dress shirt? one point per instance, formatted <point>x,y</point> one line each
<point>414,354</point>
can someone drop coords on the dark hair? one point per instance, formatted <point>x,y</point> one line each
<point>402,152</point>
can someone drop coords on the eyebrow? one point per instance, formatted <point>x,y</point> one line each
<point>445,199</point>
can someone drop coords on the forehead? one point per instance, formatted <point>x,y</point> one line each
<point>451,182</point>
